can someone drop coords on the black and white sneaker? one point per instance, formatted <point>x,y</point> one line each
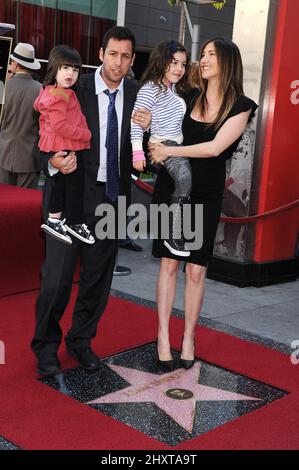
<point>177,247</point>
<point>82,232</point>
<point>175,243</point>
<point>57,230</point>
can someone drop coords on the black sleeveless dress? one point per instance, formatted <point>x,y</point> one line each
<point>208,180</point>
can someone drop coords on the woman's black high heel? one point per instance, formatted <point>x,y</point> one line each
<point>166,365</point>
<point>187,363</point>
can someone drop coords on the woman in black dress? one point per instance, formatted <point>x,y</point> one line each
<point>212,128</point>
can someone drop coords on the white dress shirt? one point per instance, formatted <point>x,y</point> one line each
<point>103,102</point>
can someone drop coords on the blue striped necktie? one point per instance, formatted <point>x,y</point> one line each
<point>112,186</point>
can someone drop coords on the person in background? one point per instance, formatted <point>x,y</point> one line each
<point>19,164</point>
<point>130,75</point>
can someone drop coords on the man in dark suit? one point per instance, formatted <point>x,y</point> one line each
<point>97,261</point>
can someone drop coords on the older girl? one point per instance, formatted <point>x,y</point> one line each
<point>164,83</point>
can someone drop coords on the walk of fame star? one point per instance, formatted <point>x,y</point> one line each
<point>147,387</point>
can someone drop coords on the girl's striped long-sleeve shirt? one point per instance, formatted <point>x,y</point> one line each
<point>167,110</point>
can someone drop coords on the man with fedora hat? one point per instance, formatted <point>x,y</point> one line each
<point>19,163</point>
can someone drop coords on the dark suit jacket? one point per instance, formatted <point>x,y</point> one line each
<point>89,104</point>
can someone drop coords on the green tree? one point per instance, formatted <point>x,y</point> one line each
<point>217,5</point>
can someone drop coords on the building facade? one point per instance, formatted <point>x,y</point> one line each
<point>46,23</point>
<point>82,24</point>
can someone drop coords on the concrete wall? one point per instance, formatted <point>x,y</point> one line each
<point>250,29</point>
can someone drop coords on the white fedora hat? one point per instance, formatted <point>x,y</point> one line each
<point>24,55</point>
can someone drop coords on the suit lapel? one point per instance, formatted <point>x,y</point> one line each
<point>129,100</point>
<point>91,108</point>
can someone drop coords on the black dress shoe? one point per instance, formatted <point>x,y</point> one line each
<point>167,366</point>
<point>85,356</point>
<point>186,363</point>
<point>130,245</point>
<point>48,364</point>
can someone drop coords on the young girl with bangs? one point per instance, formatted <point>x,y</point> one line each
<point>63,127</point>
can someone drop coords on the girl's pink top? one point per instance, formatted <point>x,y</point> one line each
<point>62,124</point>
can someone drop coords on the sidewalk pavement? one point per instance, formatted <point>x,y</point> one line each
<point>267,315</point>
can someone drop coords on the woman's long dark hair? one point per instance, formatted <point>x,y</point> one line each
<point>61,55</point>
<point>231,79</point>
<point>159,62</point>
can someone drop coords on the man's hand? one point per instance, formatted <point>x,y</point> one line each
<point>143,118</point>
<point>65,164</point>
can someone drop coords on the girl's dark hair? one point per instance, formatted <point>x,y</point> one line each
<point>61,55</point>
<point>231,79</point>
<point>159,61</point>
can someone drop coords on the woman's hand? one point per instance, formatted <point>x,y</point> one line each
<point>143,118</point>
<point>139,165</point>
<point>158,152</point>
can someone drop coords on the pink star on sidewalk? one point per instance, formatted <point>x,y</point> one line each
<point>146,387</point>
